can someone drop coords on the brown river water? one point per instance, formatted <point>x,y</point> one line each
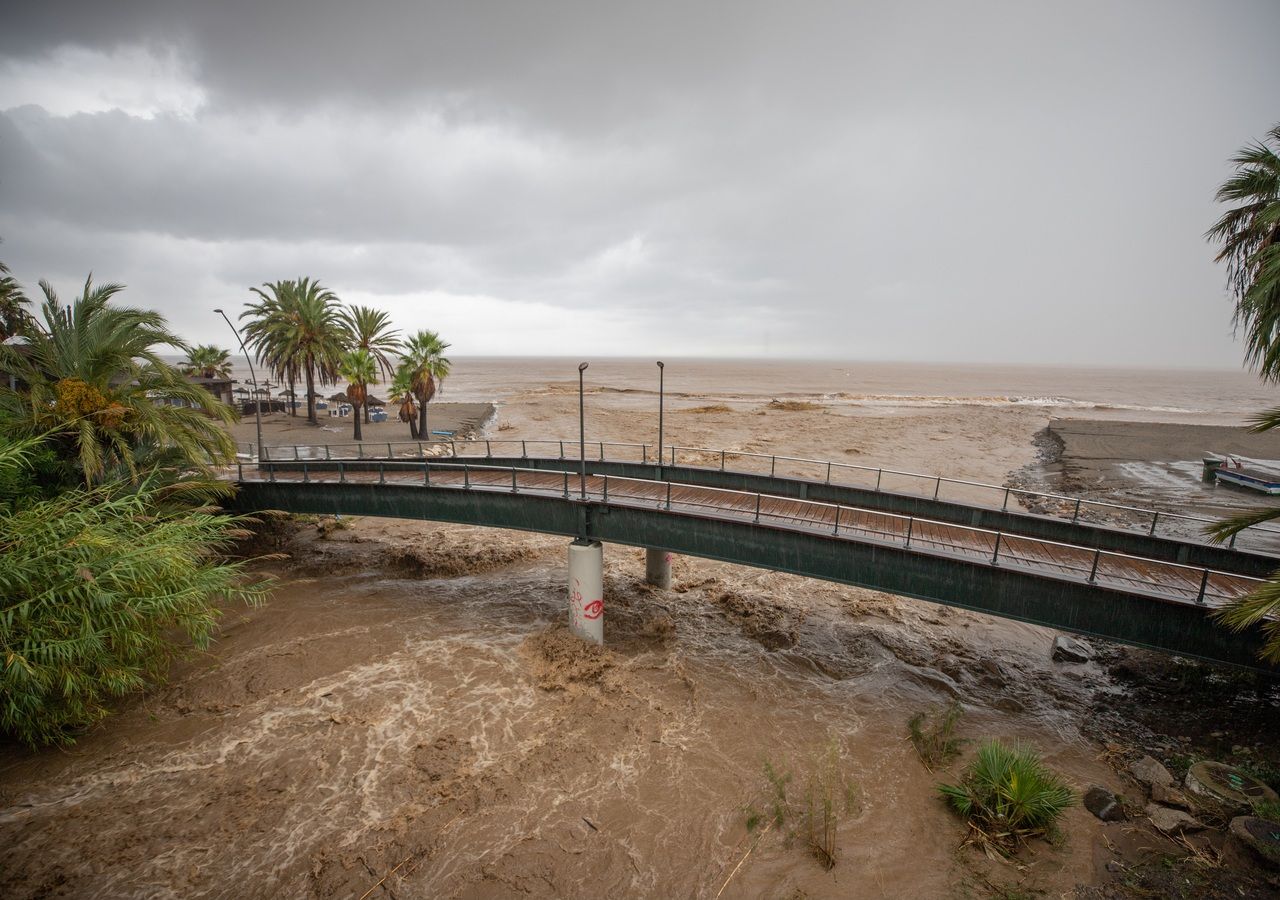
<point>408,716</point>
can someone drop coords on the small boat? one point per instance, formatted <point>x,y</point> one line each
<point>1233,471</point>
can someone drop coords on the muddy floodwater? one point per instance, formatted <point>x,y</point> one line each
<point>408,716</point>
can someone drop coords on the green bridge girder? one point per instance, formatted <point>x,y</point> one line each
<point>1056,601</point>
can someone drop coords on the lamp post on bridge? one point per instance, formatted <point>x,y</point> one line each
<point>257,405</point>
<point>661,367</point>
<point>582,435</point>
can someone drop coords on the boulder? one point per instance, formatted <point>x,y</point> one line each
<point>1104,804</point>
<point>1255,840</point>
<point>1227,786</point>
<point>1069,649</point>
<point>1149,771</point>
<point>1172,821</point>
<point>1169,795</point>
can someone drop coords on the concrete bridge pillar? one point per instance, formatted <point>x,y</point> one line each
<point>586,590</point>
<point>657,568</point>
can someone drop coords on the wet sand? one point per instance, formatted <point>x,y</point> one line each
<point>409,718</point>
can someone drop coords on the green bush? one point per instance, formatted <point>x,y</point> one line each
<point>1008,795</point>
<point>92,584</point>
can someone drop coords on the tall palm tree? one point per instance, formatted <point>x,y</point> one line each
<point>297,328</point>
<point>207,361</point>
<point>266,333</point>
<point>92,372</point>
<point>402,393</point>
<point>427,367</point>
<point>1249,233</point>
<point>14,316</point>
<point>360,369</point>
<point>371,330</point>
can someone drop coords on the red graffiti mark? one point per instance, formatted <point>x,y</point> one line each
<point>593,609</point>
<point>575,595</point>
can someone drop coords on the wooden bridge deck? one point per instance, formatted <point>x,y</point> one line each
<point>1164,580</point>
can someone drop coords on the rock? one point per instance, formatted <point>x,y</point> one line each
<point>1253,839</point>
<point>1104,804</point>
<point>1150,771</point>
<point>1069,649</point>
<point>1169,795</point>
<point>1227,786</point>
<point>1171,821</point>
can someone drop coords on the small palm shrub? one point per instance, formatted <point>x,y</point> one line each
<point>1008,795</point>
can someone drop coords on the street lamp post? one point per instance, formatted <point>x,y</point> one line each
<point>582,435</point>
<point>661,367</point>
<point>257,404</point>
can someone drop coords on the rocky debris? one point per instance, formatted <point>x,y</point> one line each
<point>1172,821</point>
<point>1104,804</point>
<point>1073,650</point>
<point>1150,772</point>
<point>1227,786</point>
<point>1169,795</point>
<point>1255,840</point>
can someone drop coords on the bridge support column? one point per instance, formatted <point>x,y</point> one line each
<point>657,568</point>
<point>586,590</point>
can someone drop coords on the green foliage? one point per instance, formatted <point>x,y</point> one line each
<point>296,328</point>
<point>813,814</point>
<point>14,316</point>
<point>1008,795</point>
<point>95,583</point>
<point>1267,809</point>
<point>93,379</point>
<point>207,361</point>
<point>425,366</point>
<point>937,745</point>
<point>370,329</point>
<point>1249,237</point>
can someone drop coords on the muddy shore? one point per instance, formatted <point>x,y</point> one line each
<point>408,718</point>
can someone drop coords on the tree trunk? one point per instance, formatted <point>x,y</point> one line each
<point>311,394</point>
<point>356,417</point>
<point>366,413</point>
<point>293,398</point>
<point>423,434</point>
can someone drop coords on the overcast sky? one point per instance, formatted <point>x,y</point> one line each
<point>1006,182</point>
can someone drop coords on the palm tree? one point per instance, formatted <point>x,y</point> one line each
<point>297,329</point>
<point>1250,237</point>
<point>14,317</point>
<point>371,330</point>
<point>266,335</point>
<point>402,393</point>
<point>360,369</point>
<point>427,368</point>
<point>92,372</point>
<point>207,361</point>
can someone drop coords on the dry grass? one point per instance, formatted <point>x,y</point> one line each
<point>706,410</point>
<point>794,405</point>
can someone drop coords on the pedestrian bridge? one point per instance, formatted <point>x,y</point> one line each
<point>1138,578</point>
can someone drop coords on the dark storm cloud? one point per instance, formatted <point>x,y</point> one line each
<point>917,180</point>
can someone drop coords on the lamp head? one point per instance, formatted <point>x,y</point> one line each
<point>582,367</point>
<point>218,311</point>
<point>660,366</point>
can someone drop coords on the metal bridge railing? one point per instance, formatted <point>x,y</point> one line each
<point>1053,559</point>
<point>823,471</point>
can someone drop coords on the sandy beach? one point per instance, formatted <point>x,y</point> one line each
<point>408,717</point>
<point>463,420</point>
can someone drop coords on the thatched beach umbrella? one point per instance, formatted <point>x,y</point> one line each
<point>340,397</point>
<point>371,400</point>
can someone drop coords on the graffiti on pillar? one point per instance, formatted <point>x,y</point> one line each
<point>593,609</point>
<point>578,609</point>
<point>668,557</point>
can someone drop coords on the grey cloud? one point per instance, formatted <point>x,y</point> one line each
<point>921,180</point>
